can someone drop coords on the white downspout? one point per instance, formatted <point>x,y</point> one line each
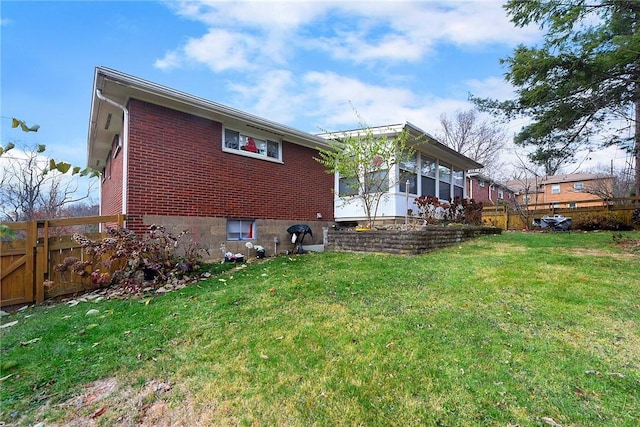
<point>490,187</point>
<point>125,146</point>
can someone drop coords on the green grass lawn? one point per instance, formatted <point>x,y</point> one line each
<point>515,329</point>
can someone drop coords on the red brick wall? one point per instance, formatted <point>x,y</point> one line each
<point>111,198</point>
<point>177,167</point>
<point>488,194</point>
<point>477,193</point>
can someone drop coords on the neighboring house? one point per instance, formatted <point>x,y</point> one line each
<point>574,190</point>
<point>187,163</point>
<point>564,191</point>
<point>483,189</point>
<point>435,170</point>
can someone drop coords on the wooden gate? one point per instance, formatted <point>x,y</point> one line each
<point>17,265</point>
<point>28,259</point>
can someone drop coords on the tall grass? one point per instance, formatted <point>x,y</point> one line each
<point>524,329</point>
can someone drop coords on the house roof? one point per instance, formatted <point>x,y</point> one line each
<point>424,141</point>
<point>573,177</point>
<point>106,119</point>
<point>479,175</point>
<point>525,185</point>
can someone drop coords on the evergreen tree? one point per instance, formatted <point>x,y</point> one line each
<point>581,85</point>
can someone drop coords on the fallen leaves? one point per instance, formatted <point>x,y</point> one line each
<point>99,412</point>
<point>551,422</point>
<point>9,324</point>
<point>32,341</point>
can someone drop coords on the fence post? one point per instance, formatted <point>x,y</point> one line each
<point>40,267</point>
<point>31,240</point>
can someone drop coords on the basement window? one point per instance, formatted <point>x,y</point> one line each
<point>251,146</point>
<point>241,229</point>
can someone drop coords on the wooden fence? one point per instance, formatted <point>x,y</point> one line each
<point>29,258</point>
<point>508,218</point>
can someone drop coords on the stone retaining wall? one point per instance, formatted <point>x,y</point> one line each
<point>411,242</point>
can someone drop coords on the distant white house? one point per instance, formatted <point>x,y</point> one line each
<point>436,170</point>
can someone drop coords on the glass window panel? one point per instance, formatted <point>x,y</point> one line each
<point>458,178</point>
<point>445,173</point>
<point>458,192</point>
<point>428,167</point>
<point>231,139</point>
<point>413,182</point>
<point>244,229</point>
<point>348,186</point>
<point>445,191</point>
<point>377,181</point>
<point>273,149</point>
<point>428,186</point>
<point>409,163</point>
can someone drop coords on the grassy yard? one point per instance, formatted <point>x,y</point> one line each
<point>516,329</point>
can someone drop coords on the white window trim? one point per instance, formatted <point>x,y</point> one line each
<point>554,187</point>
<point>258,156</point>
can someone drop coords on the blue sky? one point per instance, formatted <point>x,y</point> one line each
<point>300,63</point>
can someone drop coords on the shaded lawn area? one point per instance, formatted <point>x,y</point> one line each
<point>528,329</point>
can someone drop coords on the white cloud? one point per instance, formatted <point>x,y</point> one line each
<point>170,60</point>
<point>352,31</point>
<point>261,14</point>
<point>274,95</point>
<point>491,87</point>
<point>222,50</point>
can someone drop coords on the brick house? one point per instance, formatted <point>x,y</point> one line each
<point>574,190</point>
<point>187,163</point>
<point>564,191</point>
<point>482,188</point>
<point>230,177</point>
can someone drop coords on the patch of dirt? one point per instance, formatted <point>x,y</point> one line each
<point>629,245</point>
<point>602,253</point>
<point>107,402</point>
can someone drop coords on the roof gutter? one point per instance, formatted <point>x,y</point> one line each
<point>204,104</point>
<point>125,146</point>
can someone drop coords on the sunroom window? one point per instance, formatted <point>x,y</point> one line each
<point>253,146</point>
<point>409,173</point>
<point>428,176</point>
<point>444,174</point>
<point>458,184</point>
<point>376,181</point>
<point>347,186</point>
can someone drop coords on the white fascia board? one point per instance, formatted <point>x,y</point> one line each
<point>131,86</point>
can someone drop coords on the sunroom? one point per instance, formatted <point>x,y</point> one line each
<point>433,169</point>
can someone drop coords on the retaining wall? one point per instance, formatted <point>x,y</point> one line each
<point>410,242</point>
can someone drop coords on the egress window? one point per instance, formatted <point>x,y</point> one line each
<point>252,146</point>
